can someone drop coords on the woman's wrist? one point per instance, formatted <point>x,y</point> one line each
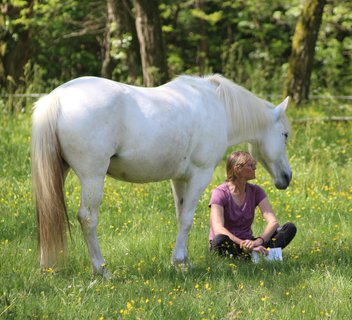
<point>262,239</point>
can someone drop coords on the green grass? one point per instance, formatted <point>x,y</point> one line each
<point>137,230</point>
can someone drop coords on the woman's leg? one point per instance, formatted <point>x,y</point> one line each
<point>282,236</point>
<point>224,246</point>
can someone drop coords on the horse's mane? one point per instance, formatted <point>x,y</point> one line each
<point>247,112</point>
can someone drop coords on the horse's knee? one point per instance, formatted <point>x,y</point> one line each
<point>87,219</point>
<point>186,221</point>
<point>88,211</point>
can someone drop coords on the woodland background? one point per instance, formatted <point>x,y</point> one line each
<point>277,47</point>
<point>273,48</point>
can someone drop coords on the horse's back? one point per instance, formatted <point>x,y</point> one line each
<point>147,134</point>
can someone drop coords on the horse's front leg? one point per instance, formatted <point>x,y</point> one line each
<point>186,196</point>
<point>92,193</point>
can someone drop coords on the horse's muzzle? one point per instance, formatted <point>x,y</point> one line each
<point>284,182</point>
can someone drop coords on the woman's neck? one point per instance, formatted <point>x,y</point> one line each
<point>237,187</point>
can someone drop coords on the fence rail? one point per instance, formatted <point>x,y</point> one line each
<point>323,119</point>
<point>313,97</point>
<point>331,97</point>
<point>23,95</point>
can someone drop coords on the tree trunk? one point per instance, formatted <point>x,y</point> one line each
<point>151,42</point>
<point>14,46</point>
<point>128,26</point>
<point>120,23</point>
<point>202,47</point>
<point>111,29</point>
<point>3,42</point>
<point>303,50</point>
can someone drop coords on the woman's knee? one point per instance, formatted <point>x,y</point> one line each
<point>220,239</point>
<point>290,228</point>
<point>285,234</point>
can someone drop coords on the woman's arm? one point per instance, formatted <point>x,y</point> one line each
<point>217,223</point>
<point>270,219</point>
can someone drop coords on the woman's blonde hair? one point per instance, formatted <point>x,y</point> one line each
<point>236,159</point>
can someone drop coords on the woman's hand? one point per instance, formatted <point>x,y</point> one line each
<point>247,245</point>
<point>251,245</point>
<point>261,250</point>
<point>258,242</point>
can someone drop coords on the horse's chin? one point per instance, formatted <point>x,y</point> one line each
<point>284,182</point>
<point>282,179</point>
<point>281,186</point>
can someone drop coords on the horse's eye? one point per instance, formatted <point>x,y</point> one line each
<point>285,134</point>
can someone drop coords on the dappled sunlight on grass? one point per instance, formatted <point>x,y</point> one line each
<point>137,231</point>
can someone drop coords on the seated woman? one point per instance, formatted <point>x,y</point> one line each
<point>232,208</point>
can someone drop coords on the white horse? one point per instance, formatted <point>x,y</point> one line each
<point>178,131</point>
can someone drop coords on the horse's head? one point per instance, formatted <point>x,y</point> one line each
<point>270,148</point>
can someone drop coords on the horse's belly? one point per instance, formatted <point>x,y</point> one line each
<point>141,171</point>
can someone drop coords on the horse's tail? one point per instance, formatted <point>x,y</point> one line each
<point>48,175</point>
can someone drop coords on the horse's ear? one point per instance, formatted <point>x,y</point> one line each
<point>281,108</point>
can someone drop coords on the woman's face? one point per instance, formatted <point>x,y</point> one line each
<point>247,171</point>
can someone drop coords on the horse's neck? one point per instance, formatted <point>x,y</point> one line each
<point>248,123</point>
<point>251,133</point>
<point>235,138</point>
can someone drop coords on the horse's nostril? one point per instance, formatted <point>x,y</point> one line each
<point>284,182</point>
<point>288,177</point>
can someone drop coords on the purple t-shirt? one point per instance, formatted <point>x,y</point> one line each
<point>237,219</point>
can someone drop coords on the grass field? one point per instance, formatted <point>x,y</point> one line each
<point>137,231</point>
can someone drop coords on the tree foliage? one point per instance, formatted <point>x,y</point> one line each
<point>248,41</point>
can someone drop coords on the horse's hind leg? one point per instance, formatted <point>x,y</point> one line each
<point>186,196</point>
<point>92,193</point>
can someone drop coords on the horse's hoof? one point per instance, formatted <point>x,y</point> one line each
<point>103,272</point>
<point>106,274</point>
<point>182,266</point>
